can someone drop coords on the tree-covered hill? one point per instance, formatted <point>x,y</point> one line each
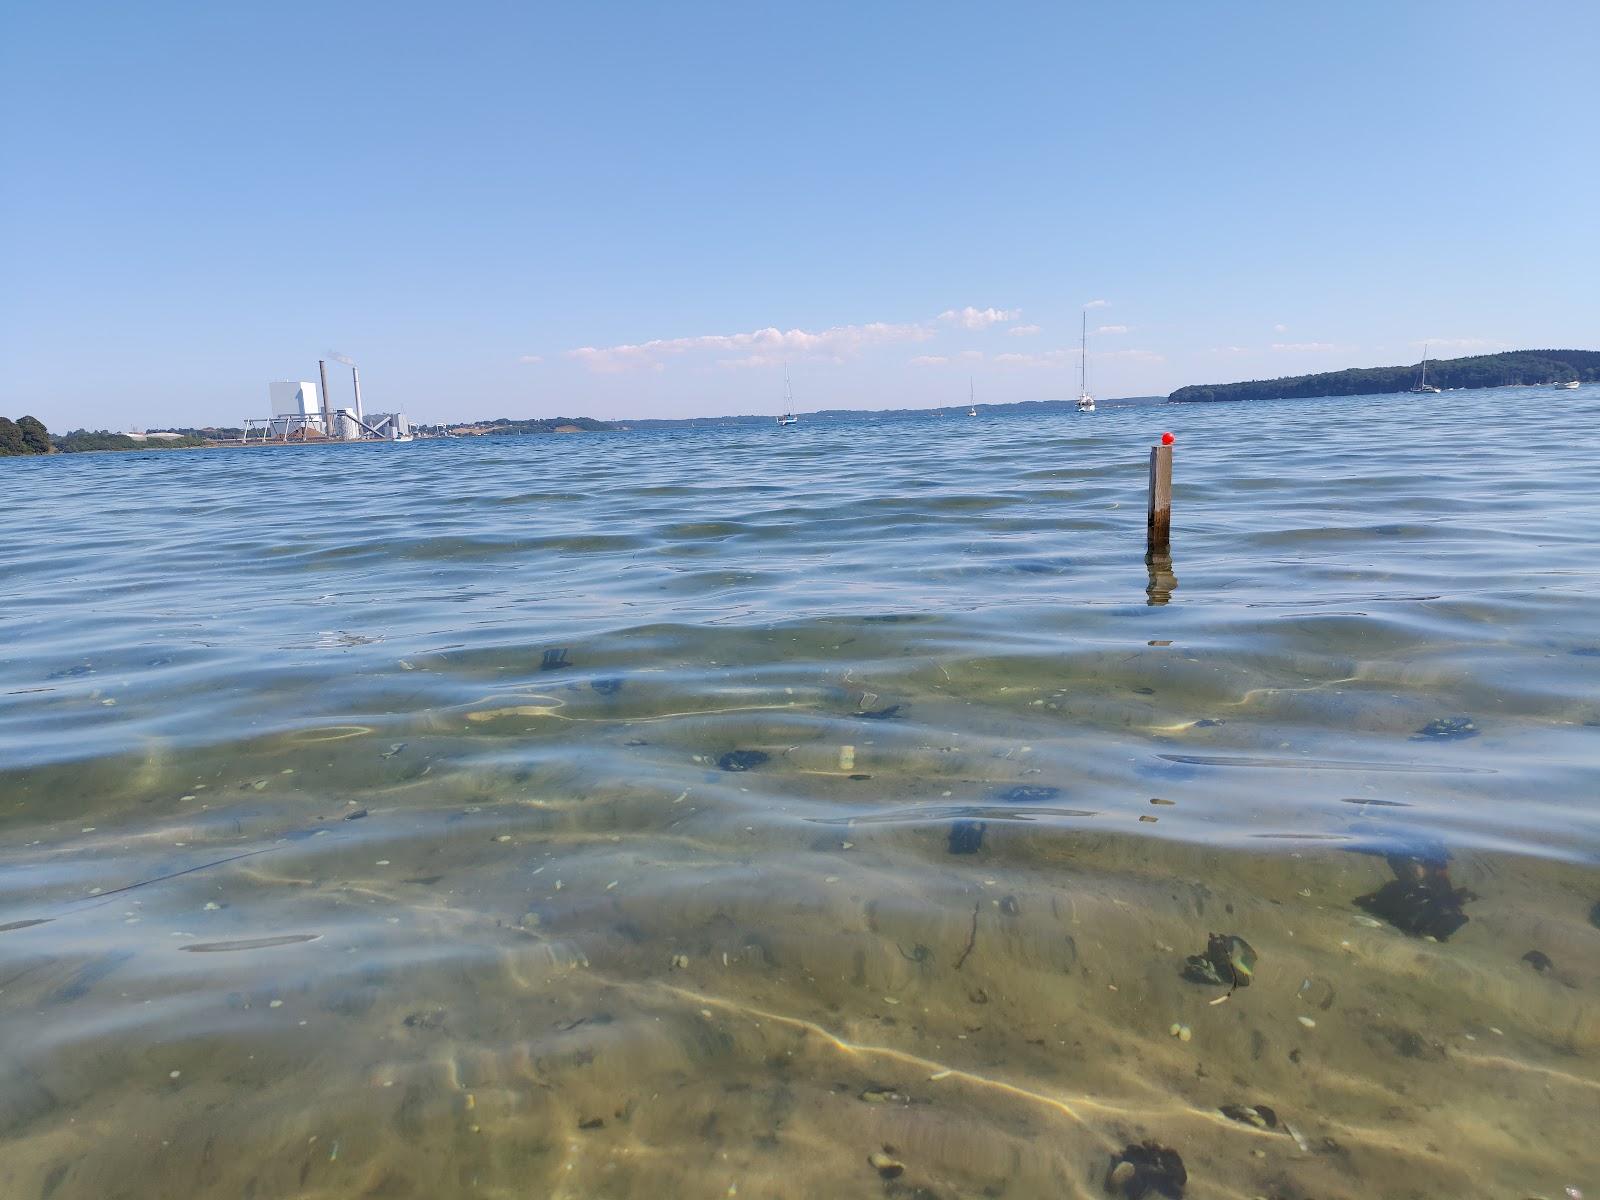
<point>1525,367</point>
<point>25,435</point>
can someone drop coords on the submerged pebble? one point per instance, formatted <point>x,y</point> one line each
<point>881,1094</point>
<point>1538,960</point>
<point>885,1164</point>
<point>1258,1115</point>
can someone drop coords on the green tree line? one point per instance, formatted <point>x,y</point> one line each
<point>80,440</point>
<point>25,435</point>
<point>1515,367</point>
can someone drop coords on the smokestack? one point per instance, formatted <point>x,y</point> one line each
<point>355,380</point>
<point>327,410</point>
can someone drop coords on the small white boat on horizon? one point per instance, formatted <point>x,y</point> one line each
<point>1085,398</point>
<point>1423,386</point>
<point>788,417</point>
<point>1566,385</point>
<point>972,409</point>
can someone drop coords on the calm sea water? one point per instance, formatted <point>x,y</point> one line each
<point>815,811</point>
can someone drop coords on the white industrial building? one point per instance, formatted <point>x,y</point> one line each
<point>295,406</point>
<point>300,413</point>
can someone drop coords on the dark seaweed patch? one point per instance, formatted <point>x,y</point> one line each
<point>606,687</point>
<point>554,660</point>
<point>742,760</point>
<point>1446,729</point>
<point>887,713</point>
<point>1420,900</point>
<point>966,837</point>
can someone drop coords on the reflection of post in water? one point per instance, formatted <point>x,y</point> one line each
<point>1158,524</point>
<point>1162,581</point>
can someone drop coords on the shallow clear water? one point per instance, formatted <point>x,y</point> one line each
<point>369,826</point>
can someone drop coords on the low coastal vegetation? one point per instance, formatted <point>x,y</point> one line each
<point>546,425</point>
<point>1513,368</point>
<point>28,435</point>
<point>80,440</point>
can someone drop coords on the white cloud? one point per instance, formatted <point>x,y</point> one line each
<point>1135,355</point>
<point>1048,359</point>
<point>971,356</point>
<point>1308,347</point>
<point>1227,350</point>
<point>1280,329</point>
<point>1111,329</point>
<point>980,318</point>
<point>1023,330</point>
<point>928,360</point>
<point>760,347</point>
<point>531,358</point>
<point>1098,304</point>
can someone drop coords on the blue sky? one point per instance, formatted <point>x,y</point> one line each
<point>524,210</point>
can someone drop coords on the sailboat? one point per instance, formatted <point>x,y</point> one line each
<point>1423,386</point>
<point>1085,400</point>
<point>972,409</point>
<point>788,417</point>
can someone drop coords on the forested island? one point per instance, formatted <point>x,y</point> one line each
<point>1529,368</point>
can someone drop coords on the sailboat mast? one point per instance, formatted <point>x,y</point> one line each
<point>1424,378</point>
<point>1083,357</point>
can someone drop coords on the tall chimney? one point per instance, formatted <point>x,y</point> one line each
<point>327,410</point>
<point>355,379</point>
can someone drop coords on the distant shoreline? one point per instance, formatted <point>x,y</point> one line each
<point>1512,368</point>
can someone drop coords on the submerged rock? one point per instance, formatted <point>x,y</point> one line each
<point>554,660</point>
<point>966,837</point>
<point>1446,729</point>
<point>1420,900</point>
<point>1147,1168</point>
<point>1538,960</point>
<point>742,760</point>
<point>1229,960</point>
<point>606,687</point>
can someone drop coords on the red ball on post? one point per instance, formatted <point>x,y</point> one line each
<point>1167,439</point>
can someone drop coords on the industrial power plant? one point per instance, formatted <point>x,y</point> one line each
<point>299,414</point>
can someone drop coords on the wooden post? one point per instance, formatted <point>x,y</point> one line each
<point>1158,524</point>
